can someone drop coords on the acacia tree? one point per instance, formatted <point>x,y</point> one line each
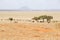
<point>43,17</point>
<point>35,18</point>
<point>49,18</point>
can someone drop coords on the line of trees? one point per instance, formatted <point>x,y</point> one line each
<point>43,17</point>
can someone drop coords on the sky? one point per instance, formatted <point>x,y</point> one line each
<point>30,4</point>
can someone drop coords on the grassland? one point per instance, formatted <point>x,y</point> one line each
<point>29,30</point>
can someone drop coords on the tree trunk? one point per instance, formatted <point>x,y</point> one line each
<point>48,20</point>
<point>43,20</point>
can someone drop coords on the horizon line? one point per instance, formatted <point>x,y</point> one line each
<point>30,10</point>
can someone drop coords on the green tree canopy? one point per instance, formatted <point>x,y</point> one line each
<point>35,18</point>
<point>49,18</point>
<point>43,17</point>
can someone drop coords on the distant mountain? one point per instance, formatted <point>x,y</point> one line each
<point>25,8</point>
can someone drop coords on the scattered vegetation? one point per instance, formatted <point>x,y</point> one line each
<point>49,18</point>
<point>43,17</point>
<point>35,18</point>
<point>11,19</point>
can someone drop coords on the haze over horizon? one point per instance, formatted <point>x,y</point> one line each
<point>29,4</point>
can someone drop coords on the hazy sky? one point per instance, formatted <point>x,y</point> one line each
<point>30,4</point>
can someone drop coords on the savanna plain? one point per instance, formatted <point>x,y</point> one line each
<point>17,30</point>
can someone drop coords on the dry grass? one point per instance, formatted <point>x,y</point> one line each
<point>29,31</point>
